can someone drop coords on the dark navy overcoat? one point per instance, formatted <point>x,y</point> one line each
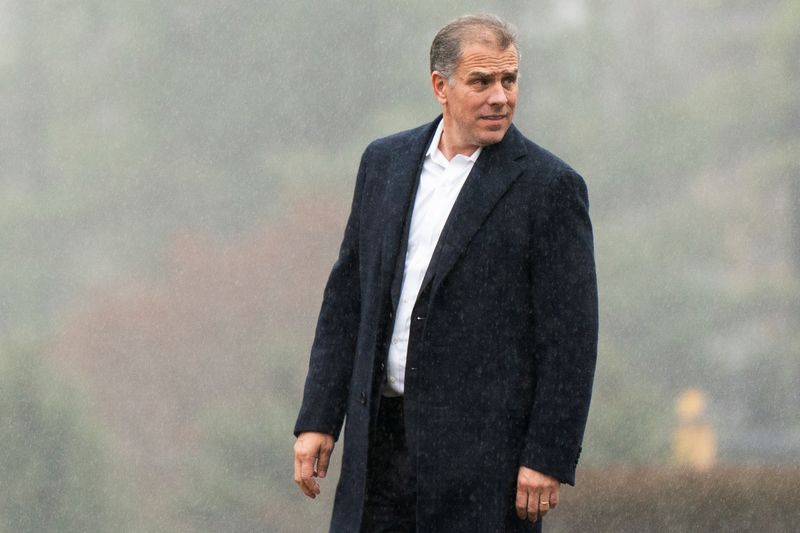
<point>504,333</point>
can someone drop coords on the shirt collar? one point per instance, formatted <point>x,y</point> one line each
<point>436,155</point>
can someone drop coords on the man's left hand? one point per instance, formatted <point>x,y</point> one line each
<point>537,493</point>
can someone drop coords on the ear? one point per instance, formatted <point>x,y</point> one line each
<point>440,86</point>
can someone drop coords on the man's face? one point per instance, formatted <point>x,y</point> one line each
<point>478,102</point>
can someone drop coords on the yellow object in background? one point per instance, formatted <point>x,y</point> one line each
<point>694,443</point>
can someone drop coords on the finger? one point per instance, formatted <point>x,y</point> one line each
<point>554,497</point>
<point>298,477</point>
<point>324,461</point>
<point>297,469</point>
<point>307,475</point>
<point>521,503</point>
<point>533,506</point>
<point>544,504</point>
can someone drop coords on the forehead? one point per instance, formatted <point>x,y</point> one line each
<point>485,58</point>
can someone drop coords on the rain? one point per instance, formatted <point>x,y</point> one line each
<point>175,178</point>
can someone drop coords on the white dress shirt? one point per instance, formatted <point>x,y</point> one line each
<point>439,184</point>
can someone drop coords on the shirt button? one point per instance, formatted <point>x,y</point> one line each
<point>392,380</point>
<point>394,341</point>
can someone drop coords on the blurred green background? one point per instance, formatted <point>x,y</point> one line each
<point>174,181</point>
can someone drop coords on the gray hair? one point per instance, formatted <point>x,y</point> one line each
<point>446,46</point>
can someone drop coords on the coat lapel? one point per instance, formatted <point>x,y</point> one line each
<point>494,172</point>
<point>402,175</point>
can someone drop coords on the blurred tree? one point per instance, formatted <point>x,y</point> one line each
<point>55,472</point>
<point>229,322</point>
<point>240,478</point>
<point>143,145</point>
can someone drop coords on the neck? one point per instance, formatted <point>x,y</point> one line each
<point>450,146</point>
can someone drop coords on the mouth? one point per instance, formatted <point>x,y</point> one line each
<point>493,117</point>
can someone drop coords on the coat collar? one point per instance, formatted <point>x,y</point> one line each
<point>401,174</point>
<point>493,173</point>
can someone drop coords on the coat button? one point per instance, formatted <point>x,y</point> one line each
<point>383,366</point>
<point>363,398</point>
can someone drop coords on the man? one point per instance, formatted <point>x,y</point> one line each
<point>458,328</point>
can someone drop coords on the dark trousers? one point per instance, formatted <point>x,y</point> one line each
<point>390,503</point>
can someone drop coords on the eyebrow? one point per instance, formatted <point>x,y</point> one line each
<point>483,74</point>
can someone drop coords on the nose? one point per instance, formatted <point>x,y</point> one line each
<point>497,95</point>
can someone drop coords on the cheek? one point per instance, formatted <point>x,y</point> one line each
<point>478,103</point>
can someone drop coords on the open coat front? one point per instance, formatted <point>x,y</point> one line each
<point>504,332</point>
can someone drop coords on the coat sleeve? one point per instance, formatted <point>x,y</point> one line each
<point>331,361</point>
<point>566,322</point>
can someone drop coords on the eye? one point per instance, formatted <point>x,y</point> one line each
<point>509,82</point>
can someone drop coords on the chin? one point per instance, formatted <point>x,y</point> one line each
<point>493,137</point>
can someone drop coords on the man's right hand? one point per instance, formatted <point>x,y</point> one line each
<point>312,454</point>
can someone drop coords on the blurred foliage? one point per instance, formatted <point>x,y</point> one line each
<point>662,499</point>
<point>55,467</point>
<point>175,178</point>
<point>239,480</point>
